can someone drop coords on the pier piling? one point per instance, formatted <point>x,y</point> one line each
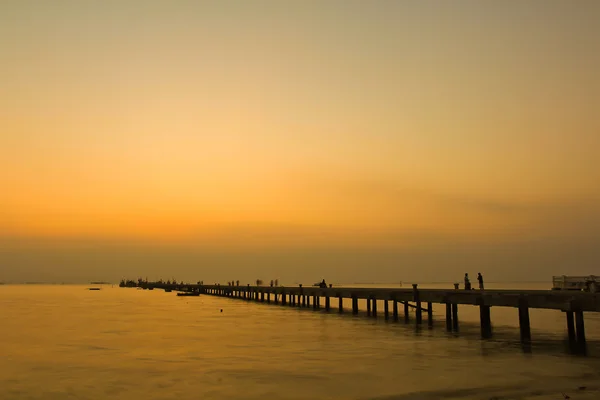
<point>374,300</point>
<point>524,324</point>
<point>386,310</point>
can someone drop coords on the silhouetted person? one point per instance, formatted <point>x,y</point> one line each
<point>323,284</point>
<point>467,282</point>
<point>480,280</point>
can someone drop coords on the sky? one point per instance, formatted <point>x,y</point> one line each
<point>359,141</point>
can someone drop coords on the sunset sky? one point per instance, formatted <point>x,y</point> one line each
<point>221,137</point>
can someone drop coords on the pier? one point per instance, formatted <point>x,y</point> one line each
<point>573,303</point>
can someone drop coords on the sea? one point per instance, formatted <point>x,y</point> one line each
<point>62,342</point>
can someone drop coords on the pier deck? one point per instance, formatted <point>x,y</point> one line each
<point>573,303</point>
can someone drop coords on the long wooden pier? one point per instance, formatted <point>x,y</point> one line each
<point>572,303</point>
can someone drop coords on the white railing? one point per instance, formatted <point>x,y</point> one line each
<point>590,283</point>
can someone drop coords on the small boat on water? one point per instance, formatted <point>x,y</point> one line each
<point>188,294</point>
<point>94,288</point>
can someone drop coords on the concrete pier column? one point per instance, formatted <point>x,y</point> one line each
<point>395,309</point>
<point>486,321</point>
<point>283,298</point>
<point>374,299</point>
<point>276,298</point>
<point>571,329</point>
<point>268,297</point>
<point>315,302</point>
<point>307,301</point>
<point>524,324</point>
<point>386,310</point>
<point>327,303</point>
<point>303,301</point>
<point>429,314</point>
<point>449,317</point>
<point>455,317</point>
<point>341,304</point>
<point>368,306</point>
<point>417,300</point>
<point>318,302</point>
<point>406,317</point>
<point>262,297</point>
<point>581,344</point>
<point>354,305</point>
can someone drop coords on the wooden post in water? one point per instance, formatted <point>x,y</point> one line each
<point>318,302</point>
<point>524,324</point>
<point>315,304</point>
<point>341,304</point>
<point>395,309</point>
<point>368,306</point>
<point>386,310</point>
<point>354,304</point>
<point>327,303</point>
<point>307,301</point>
<point>449,317</point>
<point>303,300</point>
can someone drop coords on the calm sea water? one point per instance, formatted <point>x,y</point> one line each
<point>65,342</point>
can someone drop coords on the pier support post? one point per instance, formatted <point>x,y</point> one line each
<point>262,297</point>
<point>315,298</point>
<point>307,301</point>
<point>368,306</point>
<point>374,300</point>
<point>429,314</point>
<point>395,309</point>
<point>303,300</point>
<point>571,329</point>
<point>276,297</point>
<point>449,317</point>
<point>417,300</point>
<point>341,304</point>
<point>354,305</point>
<point>455,317</point>
<point>486,321</point>
<point>524,323</point>
<point>318,302</point>
<point>327,303</point>
<point>406,317</point>
<point>386,310</point>
<point>582,347</point>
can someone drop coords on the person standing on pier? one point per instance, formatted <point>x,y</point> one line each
<point>467,282</point>
<point>480,280</point>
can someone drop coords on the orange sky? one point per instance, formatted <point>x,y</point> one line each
<point>230,125</point>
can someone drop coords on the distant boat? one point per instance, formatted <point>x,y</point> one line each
<point>94,288</point>
<point>188,294</point>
